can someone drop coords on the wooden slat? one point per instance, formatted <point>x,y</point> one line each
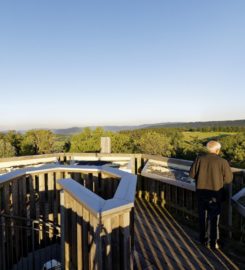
<point>51,202</point>
<point>8,201</point>
<point>92,242</point>
<point>2,243</point>
<point>90,181</point>
<point>73,231</point>
<point>67,231</point>
<point>115,242</point>
<point>57,216</point>
<point>15,211</point>
<point>96,183</point>
<point>85,237</point>
<point>107,247</point>
<point>41,204</point>
<point>79,238</point>
<point>23,213</point>
<point>124,220</point>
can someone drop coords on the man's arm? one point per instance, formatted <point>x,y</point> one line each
<point>227,173</point>
<point>194,169</point>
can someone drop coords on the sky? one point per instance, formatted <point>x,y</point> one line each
<point>122,62</point>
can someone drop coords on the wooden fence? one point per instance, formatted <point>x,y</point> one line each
<point>93,215</point>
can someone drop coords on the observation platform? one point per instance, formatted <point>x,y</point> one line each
<point>94,217</point>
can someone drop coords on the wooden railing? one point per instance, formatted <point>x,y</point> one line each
<point>7,164</point>
<point>94,212</point>
<point>35,193</point>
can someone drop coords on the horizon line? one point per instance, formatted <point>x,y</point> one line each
<point>121,125</point>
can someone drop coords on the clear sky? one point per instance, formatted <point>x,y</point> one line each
<point>74,63</point>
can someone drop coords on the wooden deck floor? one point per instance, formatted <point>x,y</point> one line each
<point>161,243</point>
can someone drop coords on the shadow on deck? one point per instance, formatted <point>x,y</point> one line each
<point>161,243</point>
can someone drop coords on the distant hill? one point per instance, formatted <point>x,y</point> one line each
<point>74,130</point>
<point>67,131</point>
<point>229,123</point>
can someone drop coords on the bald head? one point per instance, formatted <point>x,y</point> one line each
<point>213,147</point>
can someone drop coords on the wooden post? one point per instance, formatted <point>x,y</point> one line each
<point>51,202</point>
<point>139,164</point>
<point>85,237</point>
<point>2,244</point>
<point>67,232</point>
<point>58,175</point>
<point>23,213</point>
<point>67,174</point>
<point>133,165</point>
<point>73,233</point>
<point>230,209</point>
<point>41,205</point>
<point>62,210</point>
<point>79,238</point>
<point>163,202</point>
<point>15,212</point>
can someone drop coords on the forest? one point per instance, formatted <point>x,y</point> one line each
<point>183,143</point>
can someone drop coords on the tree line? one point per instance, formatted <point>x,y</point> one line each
<point>169,142</point>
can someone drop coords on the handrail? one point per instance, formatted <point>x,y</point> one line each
<point>123,197</point>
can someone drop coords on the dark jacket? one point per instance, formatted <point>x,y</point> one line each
<point>211,172</point>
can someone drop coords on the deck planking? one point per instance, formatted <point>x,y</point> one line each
<point>162,243</point>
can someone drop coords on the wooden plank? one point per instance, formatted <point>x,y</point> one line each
<point>73,231</point>
<point>90,181</point>
<point>92,243</point>
<point>107,243</point>
<point>99,183</point>
<point>163,201</point>
<point>57,217</point>
<point>41,204</point>
<point>31,197</point>
<point>77,177</point>
<point>2,243</point>
<point>51,190</point>
<point>126,259</point>
<point>115,241</point>
<point>85,237</point>
<point>23,213</point>
<point>63,224</point>
<point>102,185</point>
<point>96,183</point>
<point>79,238</point>
<point>15,211</point>
<point>8,200</point>
<point>67,231</point>
<point>86,180</point>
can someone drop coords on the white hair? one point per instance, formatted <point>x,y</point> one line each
<point>213,146</point>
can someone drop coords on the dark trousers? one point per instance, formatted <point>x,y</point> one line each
<point>209,208</point>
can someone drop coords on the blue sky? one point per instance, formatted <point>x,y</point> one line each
<point>76,63</point>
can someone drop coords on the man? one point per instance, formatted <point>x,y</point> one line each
<point>211,172</point>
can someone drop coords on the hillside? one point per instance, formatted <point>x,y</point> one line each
<point>229,123</point>
<point>188,125</point>
<point>74,130</point>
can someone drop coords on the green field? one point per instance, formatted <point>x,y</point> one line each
<point>197,135</point>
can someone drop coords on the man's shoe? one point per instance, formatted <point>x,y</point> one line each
<point>204,242</point>
<point>214,246</point>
